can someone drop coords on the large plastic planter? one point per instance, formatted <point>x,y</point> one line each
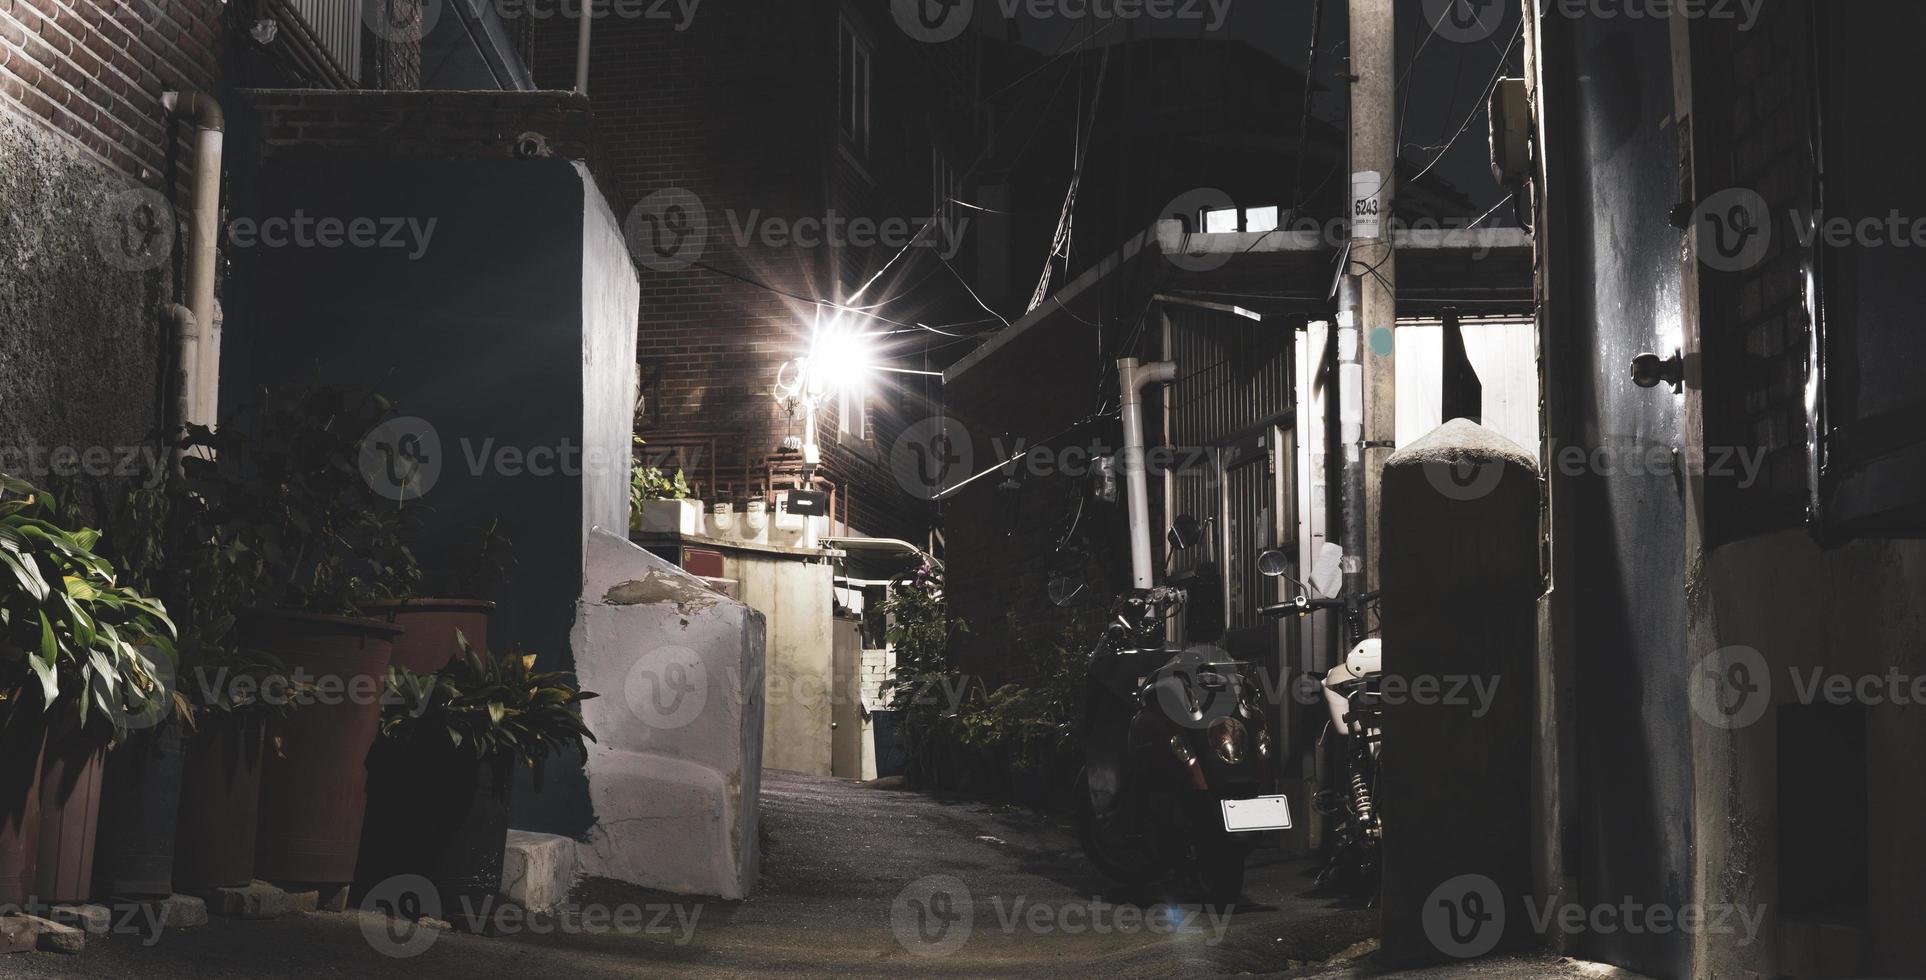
<point>220,802</point>
<point>70,780</point>
<point>23,735</point>
<point>432,624</point>
<point>314,790</point>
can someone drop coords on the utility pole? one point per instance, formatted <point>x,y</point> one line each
<point>1367,314</point>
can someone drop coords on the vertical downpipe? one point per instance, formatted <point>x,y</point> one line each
<point>1132,376</point>
<point>203,228</point>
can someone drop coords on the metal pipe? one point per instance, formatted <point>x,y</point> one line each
<point>202,111</point>
<point>1350,404</point>
<point>582,46</point>
<point>1132,376</point>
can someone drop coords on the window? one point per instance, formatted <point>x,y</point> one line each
<point>852,88</point>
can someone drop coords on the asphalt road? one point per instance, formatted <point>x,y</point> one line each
<point>858,880</point>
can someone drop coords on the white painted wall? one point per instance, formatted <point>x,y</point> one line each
<point>1505,354</point>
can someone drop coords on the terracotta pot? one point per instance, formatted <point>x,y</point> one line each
<point>436,811</point>
<point>139,809</point>
<point>314,792</point>
<point>23,737</point>
<point>430,642</point>
<point>70,780</point>
<point>220,801</point>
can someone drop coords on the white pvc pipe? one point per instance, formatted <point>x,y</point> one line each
<point>582,47</point>
<point>203,234</point>
<point>1132,376</point>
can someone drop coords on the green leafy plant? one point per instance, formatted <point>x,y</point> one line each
<point>496,705</point>
<point>485,562</point>
<point>647,482</point>
<point>72,635</point>
<point>170,543</point>
<point>284,488</point>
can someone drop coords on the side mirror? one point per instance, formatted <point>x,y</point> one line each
<point>1185,532</point>
<point>1272,563</point>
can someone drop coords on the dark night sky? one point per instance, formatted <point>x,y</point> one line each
<point>1441,89</point>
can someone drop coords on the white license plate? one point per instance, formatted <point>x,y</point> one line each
<point>1262,813</point>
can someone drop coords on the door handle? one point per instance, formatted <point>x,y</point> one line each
<point>1649,369</point>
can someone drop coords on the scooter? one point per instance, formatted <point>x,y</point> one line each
<point>1177,772</point>
<point>1352,695</point>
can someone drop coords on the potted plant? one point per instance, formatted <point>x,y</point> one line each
<point>442,770</point>
<point>181,795</point>
<point>660,503</point>
<point>80,652</point>
<point>285,487</point>
<point>433,621</point>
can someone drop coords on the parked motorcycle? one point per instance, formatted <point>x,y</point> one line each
<point>1352,694</point>
<point>1177,772</point>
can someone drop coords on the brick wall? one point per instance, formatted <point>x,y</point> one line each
<point>94,70</point>
<point>422,125</point>
<point>1753,118</point>
<point>737,107</point>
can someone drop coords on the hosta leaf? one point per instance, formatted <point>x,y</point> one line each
<point>27,573</point>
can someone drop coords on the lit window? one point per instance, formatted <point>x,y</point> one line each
<point>1218,222</point>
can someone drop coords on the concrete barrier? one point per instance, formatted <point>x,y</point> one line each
<point>675,773</point>
<point>1461,579</point>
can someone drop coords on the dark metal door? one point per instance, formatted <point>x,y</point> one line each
<point>1614,259</point>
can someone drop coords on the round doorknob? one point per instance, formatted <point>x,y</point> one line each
<point>1649,369</point>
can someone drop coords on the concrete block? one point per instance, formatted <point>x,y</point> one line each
<point>17,935</point>
<point>256,900</point>
<point>181,912</point>
<point>310,899</point>
<point>538,870</point>
<point>675,774</point>
<point>94,920</point>
<point>52,937</point>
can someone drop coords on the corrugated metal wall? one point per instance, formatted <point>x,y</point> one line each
<point>1225,418</point>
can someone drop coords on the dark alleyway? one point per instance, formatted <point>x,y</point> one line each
<point>839,856</point>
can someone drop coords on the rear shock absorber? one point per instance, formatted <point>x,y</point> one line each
<point>1361,804</point>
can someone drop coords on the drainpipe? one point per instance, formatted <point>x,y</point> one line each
<point>182,330</point>
<point>1132,377</point>
<point>203,373</point>
<point>582,47</point>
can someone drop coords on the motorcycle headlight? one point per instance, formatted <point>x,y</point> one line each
<point>1227,739</point>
